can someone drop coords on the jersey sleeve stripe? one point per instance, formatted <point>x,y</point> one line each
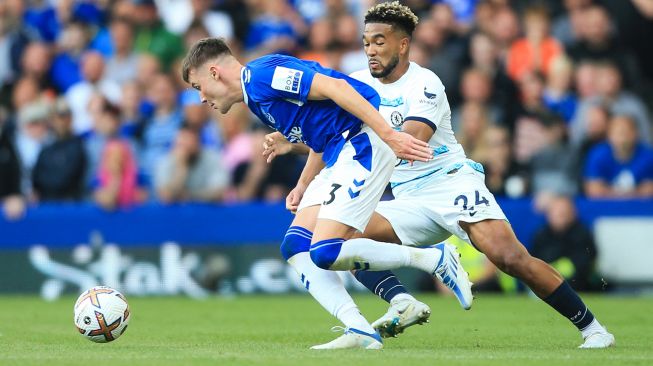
<point>423,120</point>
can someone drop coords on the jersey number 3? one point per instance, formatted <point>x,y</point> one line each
<point>335,186</point>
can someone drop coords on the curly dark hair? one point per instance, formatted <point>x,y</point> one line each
<point>393,13</point>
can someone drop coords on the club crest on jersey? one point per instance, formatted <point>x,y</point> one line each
<point>286,79</point>
<point>396,119</point>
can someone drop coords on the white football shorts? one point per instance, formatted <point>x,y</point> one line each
<point>427,210</point>
<point>351,188</point>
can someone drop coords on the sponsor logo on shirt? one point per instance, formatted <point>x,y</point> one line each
<point>429,95</point>
<point>385,102</point>
<point>286,79</point>
<point>295,135</point>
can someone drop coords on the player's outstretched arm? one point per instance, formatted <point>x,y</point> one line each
<point>405,146</point>
<point>314,164</point>
<point>275,144</point>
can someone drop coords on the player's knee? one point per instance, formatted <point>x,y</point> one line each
<point>514,262</point>
<point>324,253</point>
<point>297,240</point>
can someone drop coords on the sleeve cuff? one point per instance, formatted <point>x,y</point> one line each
<point>423,120</point>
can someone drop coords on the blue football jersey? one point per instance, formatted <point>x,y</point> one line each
<point>276,87</point>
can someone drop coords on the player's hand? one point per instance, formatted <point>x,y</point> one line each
<point>293,198</point>
<point>275,144</point>
<point>408,147</point>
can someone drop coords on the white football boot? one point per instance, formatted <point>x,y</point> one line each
<point>598,340</point>
<point>452,274</point>
<point>353,338</point>
<point>401,314</point>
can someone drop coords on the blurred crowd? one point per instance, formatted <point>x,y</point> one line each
<point>553,97</point>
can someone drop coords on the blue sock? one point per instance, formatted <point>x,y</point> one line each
<point>567,302</point>
<point>297,240</point>
<point>383,283</point>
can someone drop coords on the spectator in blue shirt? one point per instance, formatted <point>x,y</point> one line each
<point>623,166</point>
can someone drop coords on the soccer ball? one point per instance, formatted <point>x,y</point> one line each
<point>101,314</point>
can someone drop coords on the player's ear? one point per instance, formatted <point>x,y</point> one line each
<point>403,45</point>
<point>214,71</point>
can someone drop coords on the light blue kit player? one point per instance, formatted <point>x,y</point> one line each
<point>351,158</point>
<point>435,199</point>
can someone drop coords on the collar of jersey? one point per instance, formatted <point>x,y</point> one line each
<point>242,84</point>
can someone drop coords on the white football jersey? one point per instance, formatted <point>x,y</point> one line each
<point>419,96</point>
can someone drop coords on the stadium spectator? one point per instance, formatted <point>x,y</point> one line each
<point>597,41</point>
<point>623,166</point>
<point>598,117</point>
<point>151,35</point>
<point>531,88</point>
<point>483,55</point>
<point>504,177</point>
<point>133,110</point>
<point>476,89</point>
<point>553,168</point>
<point>104,130</point>
<point>460,12</point>
<point>25,91</point>
<point>190,172</point>
<point>42,44</point>
<point>473,124</point>
<point>122,65</point>
<point>530,136</point>
<point>269,31</point>
<point>161,128</point>
<point>116,177</point>
<point>198,117</point>
<point>347,43</point>
<point>558,96</point>
<point>566,243</point>
<point>439,35</point>
<point>147,70</point>
<point>610,92</point>
<point>537,49</point>
<point>585,81</point>
<point>71,44</point>
<point>11,200</point>
<point>565,27</point>
<point>36,62</point>
<point>321,43</point>
<point>179,16</point>
<point>31,137</point>
<point>80,93</point>
<point>504,29</point>
<point>60,168</point>
<point>14,37</point>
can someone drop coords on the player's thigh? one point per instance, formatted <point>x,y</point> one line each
<point>496,239</point>
<point>380,229</point>
<point>410,222</point>
<point>330,229</point>
<point>306,217</point>
<point>461,197</point>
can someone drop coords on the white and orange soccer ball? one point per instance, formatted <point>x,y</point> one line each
<point>101,314</point>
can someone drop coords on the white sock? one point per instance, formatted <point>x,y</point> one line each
<point>594,327</point>
<point>402,297</point>
<point>327,289</point>
<point>367,254</point>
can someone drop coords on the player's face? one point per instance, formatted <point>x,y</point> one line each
<point>212,88</point>
<point>382,46</point>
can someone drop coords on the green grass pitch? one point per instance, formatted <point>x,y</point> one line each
<point>278,330</point>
